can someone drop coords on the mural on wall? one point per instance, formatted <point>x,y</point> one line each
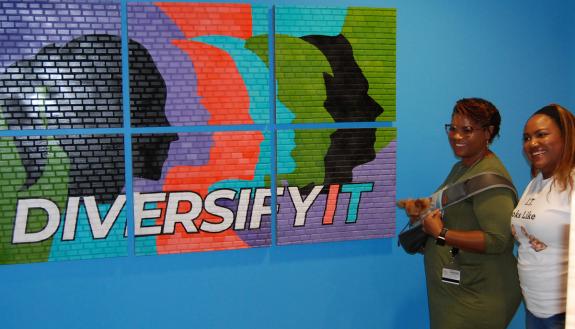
<point>335,65</point>
<point>213,193</point>
<point>194,191</point>
<point>62,163</point>
<point>200,126</point>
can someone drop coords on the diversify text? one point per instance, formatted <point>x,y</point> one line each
<point>180,207</point>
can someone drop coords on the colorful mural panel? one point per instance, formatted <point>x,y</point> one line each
<point>211,78</point>
<point>200,128</point>
<point>212,195</point>
<point>199,49</point>
<point>337,185</point>
<point>61,198</point>
<point>61,71</point>
<point>335,65</point>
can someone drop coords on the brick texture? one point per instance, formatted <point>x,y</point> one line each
<point>194,69</point>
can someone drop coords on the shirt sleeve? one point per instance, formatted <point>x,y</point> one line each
<point>493,209</point>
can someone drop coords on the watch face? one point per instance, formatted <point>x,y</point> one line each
<point>440,240</point>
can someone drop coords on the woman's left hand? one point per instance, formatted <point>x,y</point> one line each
<point>432,223</point>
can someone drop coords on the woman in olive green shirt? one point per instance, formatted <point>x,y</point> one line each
<point>470,268</point>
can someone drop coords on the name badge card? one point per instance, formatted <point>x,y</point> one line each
<point>452,276</point>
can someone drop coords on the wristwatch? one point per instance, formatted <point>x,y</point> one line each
<point>440,240</point>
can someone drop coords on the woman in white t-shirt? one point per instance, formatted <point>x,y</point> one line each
<point>540,223</point>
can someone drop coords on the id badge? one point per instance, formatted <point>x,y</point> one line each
<point>451,275</point>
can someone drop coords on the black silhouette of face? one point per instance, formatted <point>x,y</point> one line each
<point>347,101</point>
<point>147,101</point>
<point>79,86</point>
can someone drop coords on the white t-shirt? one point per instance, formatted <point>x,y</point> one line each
<point>540,223</point>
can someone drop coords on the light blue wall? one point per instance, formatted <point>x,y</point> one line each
<point>515,53</point>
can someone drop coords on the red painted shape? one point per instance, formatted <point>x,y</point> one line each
<point>220,84</point>
<point>233,156</point>
<point>225,96</point>
<point>197,19</point>
<point>330,205</point>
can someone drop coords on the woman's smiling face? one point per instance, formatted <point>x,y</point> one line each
<point>468,139</point>
<point>543,143</point>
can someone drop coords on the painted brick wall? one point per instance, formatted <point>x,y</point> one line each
<point>336,65</point>
<point>358,196</point>
<point>199,184</point>
<point>211,79</point>
<point>30,25</point>
<point>234,163</point>
<point>47,83</point>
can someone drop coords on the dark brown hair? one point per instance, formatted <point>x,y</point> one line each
<point>480,111</point>
<point>566,123</point>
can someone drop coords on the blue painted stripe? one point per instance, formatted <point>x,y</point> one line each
<point>84,245</point>
<point>300,21</point>
<point>185,129</point>
<point>335,125</point>
<point>127,129</point>
<point>56,132</point>
<point>273,137</point>
<point>140,130</point>
<point>258,26</point>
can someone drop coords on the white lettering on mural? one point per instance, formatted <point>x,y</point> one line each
<point>160,213</point>
<point>227,215</point>
<point>140,213</point>
<point>302,206</point>
<point>24,206</point>
<point>173,215</point>
<point>242,211</point>
<point>100,229</point>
